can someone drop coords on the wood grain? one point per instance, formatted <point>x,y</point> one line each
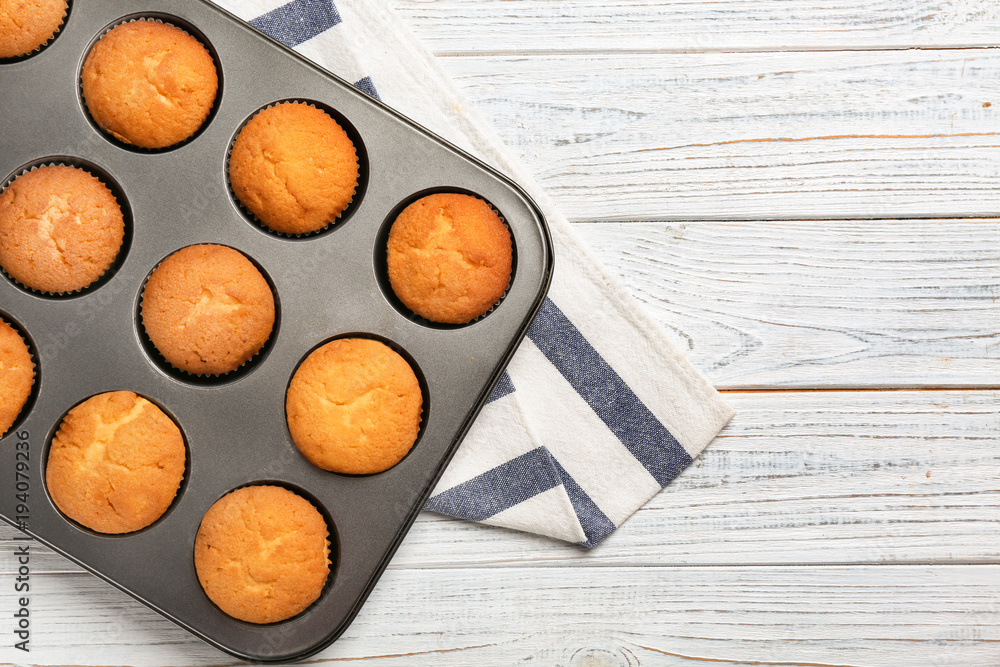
<point>797,477</point>
<point>879,616</point>
<point>907,303</point>
<point>504,26</point>
<point>750,136</point>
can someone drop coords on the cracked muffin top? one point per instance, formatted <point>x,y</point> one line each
<point>17,375</point>
<point>115,463</point>
<point>26,25</point>
<point>354,406</point>
<point>207,309</point>
<point>262,554</point>
<point>149,84</point>
<point>60,229</point>
<point>294,168</point>
<point>449,257</point>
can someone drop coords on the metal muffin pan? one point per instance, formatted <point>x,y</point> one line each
<point>326,286</point>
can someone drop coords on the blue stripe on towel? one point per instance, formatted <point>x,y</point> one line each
<point>498,489</point>
<point>516,481</point>
<point>607,394</point>
<point>298,21</point>
<point>367,86</point>
<point>504,387</point>
<point>596,525</point>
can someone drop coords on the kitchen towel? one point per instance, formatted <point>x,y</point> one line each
<point>597,411</point>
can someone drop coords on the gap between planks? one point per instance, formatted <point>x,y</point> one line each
<point>944,219</point>
<point>453,26</point>
<point>521,565</point>
<point>841,390</point>
<point>798,48</point>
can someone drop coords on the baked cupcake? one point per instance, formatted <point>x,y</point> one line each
<point>60,229</point>
<point>17,375</point>
<point>115,463</point>
<point>294,168</point>
<point>354,406</point>
<point>149,84</point>
<point>262,554</point>
<point>26,25</point>
<point>207,309</point>
<point>449,257</point>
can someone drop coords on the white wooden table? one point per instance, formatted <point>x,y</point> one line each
<point>804,194</point>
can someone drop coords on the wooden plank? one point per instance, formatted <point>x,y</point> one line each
<point>880,616</point>
<point>797,477</point>
<point>750,136</point>
<point>908,303</point>
<point>504,26</point>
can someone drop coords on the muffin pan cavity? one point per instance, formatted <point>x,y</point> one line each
<point>359,191</point>
<point>328,285</point>
<point>39,47</point>
<point>363,391</point>
<point>101,434</point>
<point>332,539</point>
<point>231,302</point>
<point>381,260</point>
<point>8,321</point>
<point>123,203</point>
<point>168,20</point>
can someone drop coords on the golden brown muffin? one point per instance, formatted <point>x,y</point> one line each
<point>294,168</point>
<point>60,229</point>
<point>449,257</point>
<point>149,84</point>
<point>354,406</point>
<point>262,554</point>
<point>207,309</point>
<point>115,463</point>
<point>17,375</point>
<point>26,25</point>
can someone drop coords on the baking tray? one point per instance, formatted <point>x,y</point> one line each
<point>327,286</point>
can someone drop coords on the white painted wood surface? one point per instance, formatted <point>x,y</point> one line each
<point>816,229</point>
<point>696,136</point>
<point>820,304</point>
<point>599,26</point>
